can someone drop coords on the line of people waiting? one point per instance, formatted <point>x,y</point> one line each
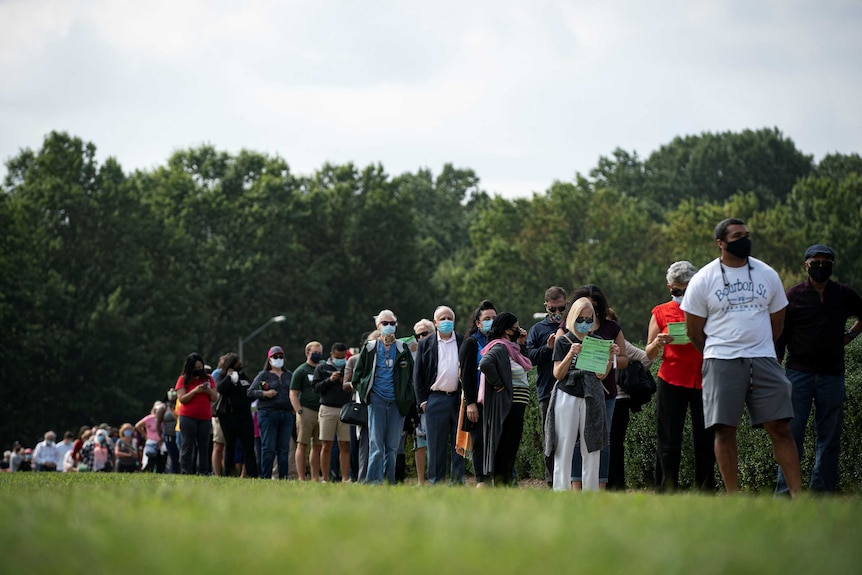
<point>466,395</point>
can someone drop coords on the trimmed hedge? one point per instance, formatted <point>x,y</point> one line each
<point>757,467</point>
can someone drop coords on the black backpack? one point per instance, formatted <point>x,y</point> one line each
<point>638,383</point>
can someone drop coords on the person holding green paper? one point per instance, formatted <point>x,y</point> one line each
<point>607,329</point>
<point>577,407</point>
<point>679,388</point>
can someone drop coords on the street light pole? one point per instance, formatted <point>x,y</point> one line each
<point>249,337</point>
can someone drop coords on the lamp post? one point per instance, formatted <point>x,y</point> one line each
<point>249,337</point>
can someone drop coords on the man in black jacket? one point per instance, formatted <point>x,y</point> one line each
<point>438,394</point>
<point>540,348</point>
<point>328,382</point>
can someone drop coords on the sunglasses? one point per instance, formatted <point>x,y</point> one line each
<point>278,356</point>
<point>423,334</point>
<point>676,292</point>
<point>560,309</point>
<point>584,320</point>
<point>820,264</point>
<point>388,323</point>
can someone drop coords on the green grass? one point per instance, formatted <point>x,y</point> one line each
<point>111,523</point>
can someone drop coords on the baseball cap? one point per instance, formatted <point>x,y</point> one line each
<point>274,350</point>
<point>819,249</point>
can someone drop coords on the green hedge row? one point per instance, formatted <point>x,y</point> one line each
<point>757,468</point>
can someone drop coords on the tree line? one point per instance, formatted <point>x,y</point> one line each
<point>111,278</point>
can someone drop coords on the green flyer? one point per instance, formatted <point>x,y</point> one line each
<point>677,330</point>
<point>594,355</point>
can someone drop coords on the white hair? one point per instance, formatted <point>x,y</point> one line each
<point>384,314</point>
<point>443,308</point>
<point>424,323</point>
<point>680,272</point>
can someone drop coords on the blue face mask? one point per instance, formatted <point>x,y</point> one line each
<point>583,327</point>
<point>446,326</point>
<point>677,299</point>
<point>388,330</point>
<point>127,433</point>
<point>486,325</point>
<point>339,362</point>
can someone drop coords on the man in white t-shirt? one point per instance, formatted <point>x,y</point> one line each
<point>734,311</point>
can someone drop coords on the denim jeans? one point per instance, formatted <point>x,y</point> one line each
<point>827,393</point>
<point>605,454</point>
<point>195,440</point>
<point>385,423</point>
<point>276,427</point>
<point>173,453</point>
<point>441,418</point>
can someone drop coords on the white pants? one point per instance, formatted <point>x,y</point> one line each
<point>570,415</point>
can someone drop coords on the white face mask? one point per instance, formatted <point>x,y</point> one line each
<point>277,363</point>
<point>234,376</point>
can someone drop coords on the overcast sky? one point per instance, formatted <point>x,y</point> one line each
<point>524,93</point>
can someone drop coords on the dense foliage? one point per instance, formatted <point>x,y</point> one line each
<point>110,278</point>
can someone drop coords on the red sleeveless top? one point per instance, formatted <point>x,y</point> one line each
<point>681,364</point>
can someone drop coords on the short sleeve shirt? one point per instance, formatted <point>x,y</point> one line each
<point>736,303</point>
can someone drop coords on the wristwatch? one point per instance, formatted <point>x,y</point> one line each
<point>851,334</point>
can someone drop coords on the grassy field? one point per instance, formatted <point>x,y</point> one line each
<point>94,523</point>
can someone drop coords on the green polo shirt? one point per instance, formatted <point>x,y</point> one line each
<point>301,381</point>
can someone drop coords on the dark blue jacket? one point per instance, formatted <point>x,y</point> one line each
<point>541,356</point>
<point>425,367</point>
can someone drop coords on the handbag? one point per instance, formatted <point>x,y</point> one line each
<point>354,413</point>
<point>220,406</point>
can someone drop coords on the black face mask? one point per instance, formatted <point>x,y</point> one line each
<point>199,373</point>
<point>741,248</point>
<point>316,356</point>
<point>820,274</point>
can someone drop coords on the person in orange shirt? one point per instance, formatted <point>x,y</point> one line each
<point>679,388</point>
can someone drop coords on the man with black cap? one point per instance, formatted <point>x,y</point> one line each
<point>814,337</point>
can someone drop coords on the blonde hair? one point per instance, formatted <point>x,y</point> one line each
<point>577,309</point>
<point>126,426</point>
<point>311,344</point>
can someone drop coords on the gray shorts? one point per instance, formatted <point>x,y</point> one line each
<point>759,383</point>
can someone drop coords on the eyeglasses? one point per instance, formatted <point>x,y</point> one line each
<point>560,309</point>
<point>820,264</point>
<point>676,292</point>
<point>423,334</point>
<point>388,323</point>
<point>584,320</point>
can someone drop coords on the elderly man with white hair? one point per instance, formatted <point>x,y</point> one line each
<point>384,381</point>
<point>46,455</point>
<point>438,394</point>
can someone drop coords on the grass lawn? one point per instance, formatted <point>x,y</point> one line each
<point>112,523</point>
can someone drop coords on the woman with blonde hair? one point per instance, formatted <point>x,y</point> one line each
<point>149,428</point>
<point>577,409</point>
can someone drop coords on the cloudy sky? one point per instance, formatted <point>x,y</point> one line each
<point>522,92</point>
